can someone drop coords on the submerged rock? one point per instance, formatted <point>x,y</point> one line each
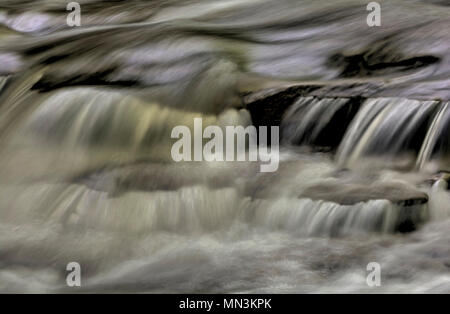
<point>349,194</point>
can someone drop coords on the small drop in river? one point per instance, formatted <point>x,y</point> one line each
<point>87,120</point>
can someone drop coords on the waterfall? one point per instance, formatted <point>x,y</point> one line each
<point>438,129</point>
<point>318,122</point>
<point>386,127</point>
<point>86,121</point>
<point>189,211</point>
<point>96,117</point>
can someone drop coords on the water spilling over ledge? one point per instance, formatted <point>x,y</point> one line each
<point>86,173</point>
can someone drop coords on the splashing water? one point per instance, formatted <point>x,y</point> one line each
<point>86,173</point>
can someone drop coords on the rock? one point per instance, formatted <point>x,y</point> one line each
<point>151,176</point>
<point>442,176</point>
<point>410,209</point>
<point>349,194</point>
<point>268,106</point>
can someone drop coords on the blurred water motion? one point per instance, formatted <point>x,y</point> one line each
<point>86,174</point>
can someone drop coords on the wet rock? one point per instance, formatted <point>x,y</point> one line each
<point>149,176</point>
<point>442,176</point>
<point>410,209</point>
<point>349,194</point>
<point>268,106</point>
<point>369,63</point>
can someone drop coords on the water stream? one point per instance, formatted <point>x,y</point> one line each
<point>86,174</point>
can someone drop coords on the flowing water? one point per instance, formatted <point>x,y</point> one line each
<point>86,175</point>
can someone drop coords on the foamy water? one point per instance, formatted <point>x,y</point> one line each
<point>86,174</point>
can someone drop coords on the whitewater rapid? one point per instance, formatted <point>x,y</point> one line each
<point>86,174</point>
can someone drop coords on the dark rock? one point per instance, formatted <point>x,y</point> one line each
<point>369,63</point>
<point>268,106</point>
